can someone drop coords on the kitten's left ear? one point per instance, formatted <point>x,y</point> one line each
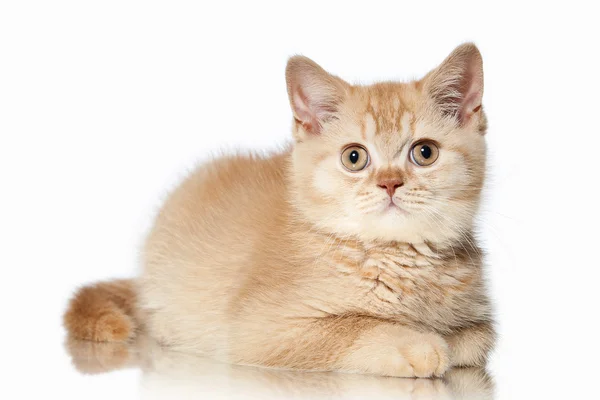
<point>315,95</point>
<point>456,86</point>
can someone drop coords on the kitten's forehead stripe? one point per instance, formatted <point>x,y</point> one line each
<point>406,124</point>
<point>371,114</point>
<point>413,124</point>
<point>363,128</point>
<point>388,117</point>
<point>387,107</point>
<point>371,127</point>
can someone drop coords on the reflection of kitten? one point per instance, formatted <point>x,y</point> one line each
<point>168,374</point>
<point>351,251</point>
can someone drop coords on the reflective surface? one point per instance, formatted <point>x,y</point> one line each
<point>166,374</point>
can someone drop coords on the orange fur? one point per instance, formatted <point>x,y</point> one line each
<point>292,261</point>
<point>102,312</point>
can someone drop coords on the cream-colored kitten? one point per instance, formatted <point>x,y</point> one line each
<point>351,251</point>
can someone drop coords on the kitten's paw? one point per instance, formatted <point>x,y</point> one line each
<point>427,354</point>
<point>393,350</point>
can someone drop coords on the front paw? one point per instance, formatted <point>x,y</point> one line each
<point>427,354</point>
<point>393,350</point>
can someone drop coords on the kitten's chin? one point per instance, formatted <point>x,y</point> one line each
<point>391,223</point>
<point>394,209</point>
<point>400,225</point>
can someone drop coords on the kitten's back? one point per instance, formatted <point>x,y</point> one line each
<point>195,258</point>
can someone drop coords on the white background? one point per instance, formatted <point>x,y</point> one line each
<point>105,105</point>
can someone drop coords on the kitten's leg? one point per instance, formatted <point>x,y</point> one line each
<point>352,344</point>
<point>471,346</point>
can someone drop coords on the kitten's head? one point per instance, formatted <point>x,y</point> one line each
<point>390,161</point>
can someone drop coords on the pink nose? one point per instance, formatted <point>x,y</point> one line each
<point>390,185</point>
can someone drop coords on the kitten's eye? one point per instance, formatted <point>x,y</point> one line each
<point>355,158</point>
<point>424,153</point>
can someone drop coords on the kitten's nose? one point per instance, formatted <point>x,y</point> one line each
<point>390,185</point>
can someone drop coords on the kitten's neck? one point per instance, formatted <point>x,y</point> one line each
<point>464,247</point>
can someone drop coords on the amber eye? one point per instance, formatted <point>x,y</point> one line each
<point>424,153</point>
<point>355,158</point>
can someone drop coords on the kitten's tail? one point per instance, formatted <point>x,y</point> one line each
<point>103,312</point>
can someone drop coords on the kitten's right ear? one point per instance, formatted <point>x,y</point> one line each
<point>315,95</point>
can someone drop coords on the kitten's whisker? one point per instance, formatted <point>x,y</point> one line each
<point>456,227</point>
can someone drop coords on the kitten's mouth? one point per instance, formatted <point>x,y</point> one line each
<point>392,206</point>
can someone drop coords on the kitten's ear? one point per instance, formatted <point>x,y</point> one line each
<point>315,95</point>
<point>456,86</point>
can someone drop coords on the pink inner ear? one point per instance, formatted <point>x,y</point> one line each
<point>306,115</point>
<point>314,94</point>
<point>470,105</point>
<point>472,92</point>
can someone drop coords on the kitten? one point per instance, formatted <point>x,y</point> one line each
<point>351,251</point>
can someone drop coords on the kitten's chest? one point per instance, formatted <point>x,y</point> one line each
<point>416,285</point>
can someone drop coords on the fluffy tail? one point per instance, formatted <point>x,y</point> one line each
<point>103,312</point>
